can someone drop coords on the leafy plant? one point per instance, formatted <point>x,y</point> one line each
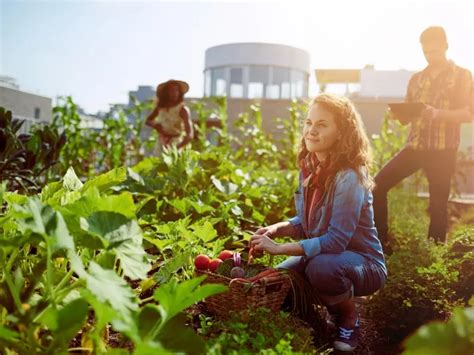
<point>455,337</point>
<point>70,251</point>
<point>26,158</point>
<point>259,331</point>
<point>426,281</point>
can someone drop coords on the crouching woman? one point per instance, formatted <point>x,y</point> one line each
<point>339,252</point>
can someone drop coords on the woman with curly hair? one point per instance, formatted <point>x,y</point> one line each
<point>339,252</point>
<point>170,117</point>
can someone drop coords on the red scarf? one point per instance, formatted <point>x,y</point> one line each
<point>315,174</point>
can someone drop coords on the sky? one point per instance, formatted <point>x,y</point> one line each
<point>97,51</point>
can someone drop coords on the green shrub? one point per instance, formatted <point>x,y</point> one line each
<point>26,158</point>
<point>456,337</point>
<point>261,331</point>
<point>419,289</point>
<point>461,253</point>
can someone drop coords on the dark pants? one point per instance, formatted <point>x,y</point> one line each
<point>438,167</point>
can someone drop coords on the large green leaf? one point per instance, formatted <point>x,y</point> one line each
<point>108,287</point>
<point>8,335</point>
<point>148,317</point>
<point>174,297</point>
<point>35,217</point>
<point>200,207</point>
<point>105,314</point>
<point>71,319</point>
<point>65,322</point>
<point>50,190</point>
<point>204,231</point>
<point>456,337</point>
<point>91,201</point>
<point>171,266</point>
<point>59,234</point>
<point>107,180</point>
<point>150,347</point>
<point>171,333</point>
<point>70,181</point>
<point>179,338</point>
<point>224,186</point>
<point>124,236</point>
<point>14,198</point>
<point>113,228</point>
<point>181,205</point>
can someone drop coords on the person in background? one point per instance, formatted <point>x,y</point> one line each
<point>447,92</point>
<point>170,117</point>
<point>339,254</point>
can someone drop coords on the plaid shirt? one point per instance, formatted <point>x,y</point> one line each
<point>452,89</point>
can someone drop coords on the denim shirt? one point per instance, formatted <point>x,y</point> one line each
<point>343,220</point>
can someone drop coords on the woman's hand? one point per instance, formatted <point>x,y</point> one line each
<point>269,231</point>
<point>262,242</point>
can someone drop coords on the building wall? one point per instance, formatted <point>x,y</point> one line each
<point>32,108</point>
<point>257,54</point>
<point>256,70</point>
<point>384,83</point>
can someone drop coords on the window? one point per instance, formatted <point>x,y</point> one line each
<point>236,87</point>
<point>236,90</point>
<point>297,85</point>
<point>219,85</point>
<point>281,77</point>
<point>285,90</point>
<point>272,91</point>
<point>255,90</point>
<point>37,113</point>
<point>207,83</point>
<point>258,79</point>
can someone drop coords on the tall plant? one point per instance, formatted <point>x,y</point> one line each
<point>25,159</point>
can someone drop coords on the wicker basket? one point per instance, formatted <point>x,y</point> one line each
<point>242,295</point>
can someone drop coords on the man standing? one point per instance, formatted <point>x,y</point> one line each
<point>447,92</point>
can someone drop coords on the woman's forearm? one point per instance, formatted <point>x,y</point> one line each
<point>284,229</point>
<point>291,249</point>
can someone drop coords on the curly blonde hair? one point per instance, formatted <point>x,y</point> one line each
<point>352,150</point>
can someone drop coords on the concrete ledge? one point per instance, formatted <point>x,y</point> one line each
<point>465,199</point>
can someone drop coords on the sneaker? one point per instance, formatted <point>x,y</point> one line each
<point>333,320</point>
<point>347,339</point>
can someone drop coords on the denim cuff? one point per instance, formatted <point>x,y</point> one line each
<point>332,300</point>
<point>311,247</point>
<point>295,222</point>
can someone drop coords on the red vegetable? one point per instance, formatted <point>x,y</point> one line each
<point>264,277</point>
<point>202,262</point>
<point>214,264</point>
<point>225,254</point>
<point>237,272</point>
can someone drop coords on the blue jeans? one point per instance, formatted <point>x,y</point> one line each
<point>338,277</point>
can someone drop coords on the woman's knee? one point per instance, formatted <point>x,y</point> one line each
<point>293,263</point>
<point>324,269</point>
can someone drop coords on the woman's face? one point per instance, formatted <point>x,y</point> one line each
<point>320,131</point>
<point>173,92</point>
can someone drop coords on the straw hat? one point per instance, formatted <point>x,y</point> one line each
<point>183,86</point>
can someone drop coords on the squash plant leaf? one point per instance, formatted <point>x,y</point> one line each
<point>124,236</point>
